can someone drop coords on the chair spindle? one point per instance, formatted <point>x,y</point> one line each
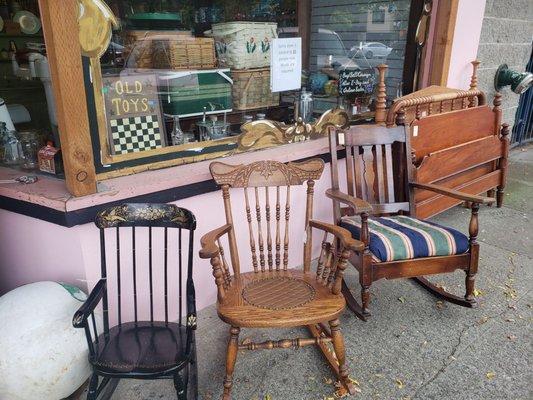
<point>269,233</point>
<point>278,234</point>
<point>165,261</point>
<point>225,266</point>
<point>150,274</point>
<point>251,230</point>
<point>259,231</point>
<point>322,256</point>
<point>134,275</point>
<point>286,239</point>
<point>119,305</point>
<point>180,278</point>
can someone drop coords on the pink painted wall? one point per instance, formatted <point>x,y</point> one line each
<point>33,250</point>
<point>465,42</point>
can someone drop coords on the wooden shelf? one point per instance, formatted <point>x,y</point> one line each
<point>21,35</point>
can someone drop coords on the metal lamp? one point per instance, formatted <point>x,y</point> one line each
<point>519,81</point>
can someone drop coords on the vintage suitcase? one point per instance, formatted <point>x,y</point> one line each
<point>187,93</point>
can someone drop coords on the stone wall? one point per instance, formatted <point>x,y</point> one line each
<point>506,37</point>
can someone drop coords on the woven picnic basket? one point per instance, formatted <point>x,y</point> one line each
<point>185,53</point>
<point>251,89</point>
<point>243,45</point>
<point>168,50</point>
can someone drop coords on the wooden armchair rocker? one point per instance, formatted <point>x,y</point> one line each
<point>274,296</point>
<point>396,244</point>
<point>135,341</point>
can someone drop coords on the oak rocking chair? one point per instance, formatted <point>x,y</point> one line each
<point>272,295</point>
<point>397,245</point>
<point>141,294</point>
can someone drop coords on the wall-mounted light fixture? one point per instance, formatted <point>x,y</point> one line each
<point>519,81</point>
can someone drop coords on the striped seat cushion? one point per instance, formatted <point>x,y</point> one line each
<point>403,238</point>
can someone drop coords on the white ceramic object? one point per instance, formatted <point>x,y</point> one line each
<point>29,23</point>
<point>42,356</point>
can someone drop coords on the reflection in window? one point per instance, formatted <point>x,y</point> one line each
<point>189,74</point>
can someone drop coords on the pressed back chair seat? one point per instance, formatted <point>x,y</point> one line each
<point>279,299</point>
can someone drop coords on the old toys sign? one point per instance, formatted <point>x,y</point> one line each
<point>133,112</point>
<point>356,82</point>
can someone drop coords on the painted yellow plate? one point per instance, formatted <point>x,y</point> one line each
<point>29,23</point>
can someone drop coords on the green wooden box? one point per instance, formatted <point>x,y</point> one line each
<point>186,93</point>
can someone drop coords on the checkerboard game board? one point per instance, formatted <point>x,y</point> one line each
<point>135,134</point>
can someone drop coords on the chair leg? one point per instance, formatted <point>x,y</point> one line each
<point>491,193</point>
<point>354,304</point>
<point>340,352</point>
<point>499,197</point>
<point>231,358</point>
<point>365,299</point>
<point>180,386</point>
<point>192,384</point>
<point>92,393</point>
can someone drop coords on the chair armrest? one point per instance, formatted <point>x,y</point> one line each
<point>343,235</point>
<point>453,193</point>
<point>357,204</point>
<point>208,241</point>
<point>80,317</point>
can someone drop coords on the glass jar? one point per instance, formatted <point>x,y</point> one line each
<point>12,149</point>
<point>177,134</point>
<point>29,142</point>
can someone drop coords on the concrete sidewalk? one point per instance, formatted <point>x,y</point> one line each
<point>413,347</point>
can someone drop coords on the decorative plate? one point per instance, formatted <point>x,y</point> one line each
<point>29,23</point>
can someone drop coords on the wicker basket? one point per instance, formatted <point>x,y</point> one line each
<point>243,45</point>
<point>185,53</point>
<point>251,89</point>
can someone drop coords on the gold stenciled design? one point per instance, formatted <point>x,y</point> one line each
<point>132,212</point>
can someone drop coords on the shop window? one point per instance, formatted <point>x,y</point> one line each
<point>179,80</point>
<point>28,119</point>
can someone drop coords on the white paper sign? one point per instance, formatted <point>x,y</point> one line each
<point>286,64</point>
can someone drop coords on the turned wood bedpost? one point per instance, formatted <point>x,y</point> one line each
<point>381,112</point>
<point>473,82</point>
<point>497,109</point>
<point>503,164</point>
<point>231,234</point>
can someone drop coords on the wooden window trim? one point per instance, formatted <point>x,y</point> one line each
<point>60,27</point>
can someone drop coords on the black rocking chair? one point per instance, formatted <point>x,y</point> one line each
<point>136,342</point>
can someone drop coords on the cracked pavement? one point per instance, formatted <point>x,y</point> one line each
<point>413,347</point>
